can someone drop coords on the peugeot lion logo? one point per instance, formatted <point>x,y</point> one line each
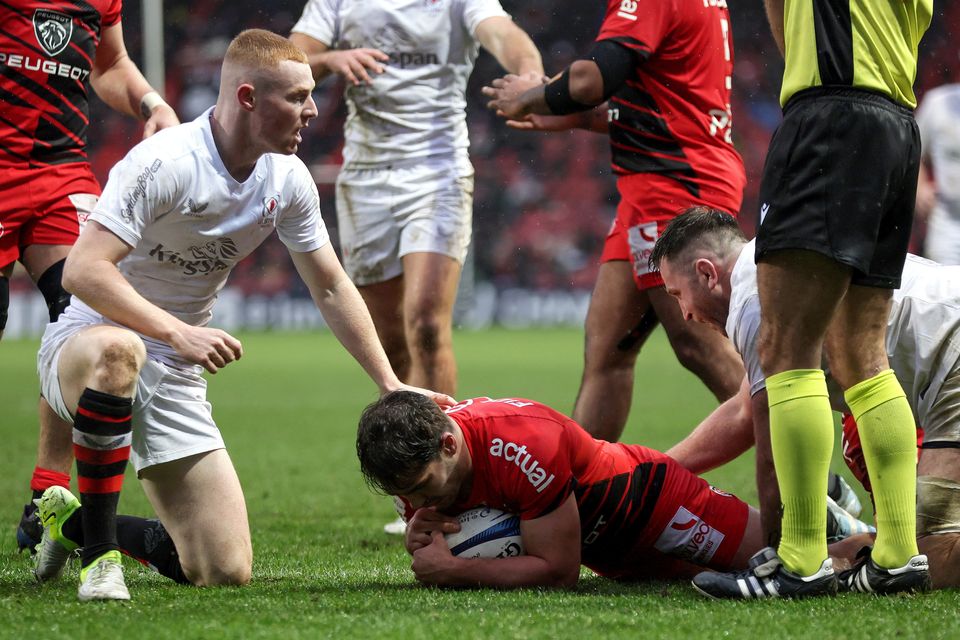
<point>53,30</point>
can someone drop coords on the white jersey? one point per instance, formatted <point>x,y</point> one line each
<point>923,329</point>
<point>417,107</point>
<point>189,222</point>
<point>939,120</point>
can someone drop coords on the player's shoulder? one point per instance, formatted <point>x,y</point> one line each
<point>288,172</point>
<point>502,407</point>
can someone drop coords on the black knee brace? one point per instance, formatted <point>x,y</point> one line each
<point>49,285</point>
<point>4,301</point>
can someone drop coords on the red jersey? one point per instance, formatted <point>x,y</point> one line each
<point>635,503</point>
<point>47,50</point>
<point>673,116</point>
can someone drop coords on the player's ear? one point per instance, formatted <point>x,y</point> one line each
<point>246,97</point>
<point>448,444</point>
<point>707,271</point>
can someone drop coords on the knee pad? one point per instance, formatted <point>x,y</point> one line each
<point>938,506</point>
<point>4,301</point>
<point>52,289</point>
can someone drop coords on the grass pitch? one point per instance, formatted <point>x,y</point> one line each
<point>323,568</point>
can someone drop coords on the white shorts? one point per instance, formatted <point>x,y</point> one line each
<point>171,416</point>
<point>386,213</point>
<point>942,422</point>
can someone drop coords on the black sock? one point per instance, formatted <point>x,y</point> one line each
<point>148,541</point>
<point>101,445</point>
<point>144,540</point>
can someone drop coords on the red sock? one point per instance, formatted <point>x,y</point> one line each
<point>43,479</point>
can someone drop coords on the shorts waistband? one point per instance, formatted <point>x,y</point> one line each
<point>438,161</point>
<point>848,94</point>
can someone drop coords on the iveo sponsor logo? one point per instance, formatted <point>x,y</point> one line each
<point>518,455</point>
<point>689,537</point>
<point>145,177</point>
<point>628,9</point>
<point>641,239</point>
<point>53,30</point>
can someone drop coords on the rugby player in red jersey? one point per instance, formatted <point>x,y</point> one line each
<point>625,511</point>
<point>661,73</point>
<point>51,53</point>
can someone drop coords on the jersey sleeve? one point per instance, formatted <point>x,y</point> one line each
<point>476,11</point>
<point>319,21</point>
<point>112,15</point>
<point>745,340</point>
<point>139,189</point>
<point>532,464</point>
<point>639,25</point>
<point>300,226</point>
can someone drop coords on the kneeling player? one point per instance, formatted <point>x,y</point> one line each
<point>624,511</point>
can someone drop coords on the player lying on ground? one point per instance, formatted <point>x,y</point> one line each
<point>708,265</point>
<point>124,362</point>
<point>625,511</point>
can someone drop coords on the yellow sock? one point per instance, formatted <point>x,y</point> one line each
<point>801,436</point>
<point>888,434</point>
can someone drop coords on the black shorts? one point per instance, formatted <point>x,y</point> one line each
<point>841,179</point>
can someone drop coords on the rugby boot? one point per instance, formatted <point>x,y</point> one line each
<point>29,531</point>
<point>842,525</point>
<point>766,577</point>
<point>102,579</point>
<point>866,577</point>
<point>54,507</point>
<point>842,493</point>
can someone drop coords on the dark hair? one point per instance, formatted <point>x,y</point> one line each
<point>696,223</point>
<point>398,436</point>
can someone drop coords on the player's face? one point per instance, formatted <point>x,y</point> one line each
<point>438,486</point>
<point>695,288</point>
<point>286,107</point>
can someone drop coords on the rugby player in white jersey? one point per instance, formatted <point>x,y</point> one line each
<point>124,363</point>
<point>405,193</point>
<point>938,190</point>
<point>709,267</point>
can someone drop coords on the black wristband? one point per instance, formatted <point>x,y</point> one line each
<point>557,96</point>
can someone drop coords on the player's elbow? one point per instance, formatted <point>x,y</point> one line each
<point>72,274</point>
<point>586,83</point>
<point>564,575</point>
<point>566,578</point>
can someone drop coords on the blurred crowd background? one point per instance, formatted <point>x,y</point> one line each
<point>543,201</point>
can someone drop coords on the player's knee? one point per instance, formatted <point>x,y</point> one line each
<point>120,356</point>
<point>427,333</point>
<point>50,285</point>
<point>231,569</point>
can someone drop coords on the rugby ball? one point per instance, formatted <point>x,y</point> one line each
<point>486,533</point>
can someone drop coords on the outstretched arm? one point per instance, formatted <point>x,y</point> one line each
<point>511,46</point>
<point>119,83</point>
<point>347,316</point>
<point>585,84</point>
<point>721,437</point>
<point>355,65</point>
<point>551,544</point>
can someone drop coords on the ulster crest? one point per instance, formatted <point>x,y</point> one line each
<point>53,30</point>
